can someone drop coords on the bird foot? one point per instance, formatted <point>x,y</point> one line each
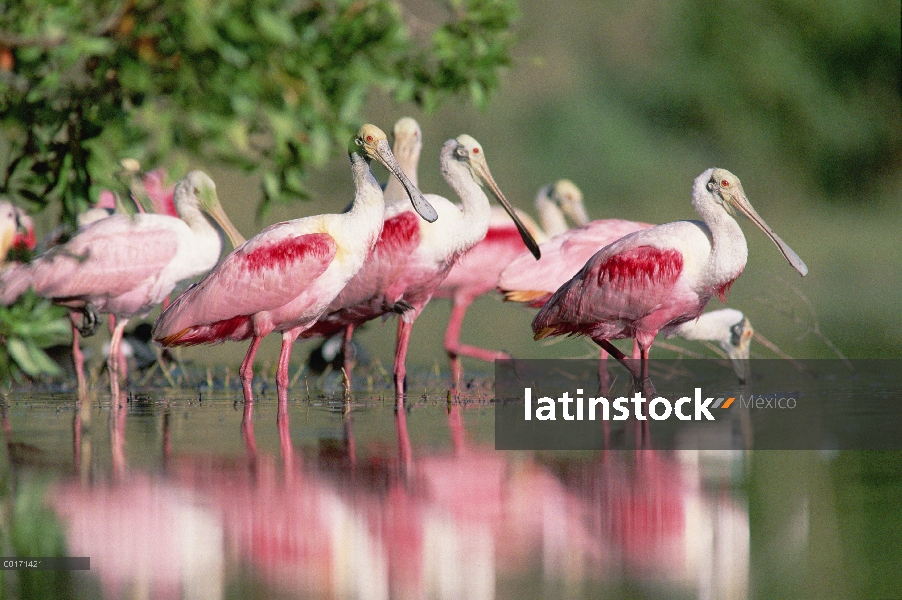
<point>89,321</point>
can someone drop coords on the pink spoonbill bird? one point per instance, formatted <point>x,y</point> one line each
<point>532,282</point>
<point>411,258</point>
<point>286,276</point>
<point>477,271</point>
<point>125,265</point>
<point>656,279</point>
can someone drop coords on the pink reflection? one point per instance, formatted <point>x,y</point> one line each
<point>145,538</point>
<point>399,521</point>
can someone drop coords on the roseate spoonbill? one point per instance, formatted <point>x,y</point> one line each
<point>477,271</point>
<point>659,278</point>
<point>286,276</point>
<point>402,281</point>
<point>533,282</point>
<point>125,265</point>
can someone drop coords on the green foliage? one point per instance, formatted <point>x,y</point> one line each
<point>275,83</point>
<point>818,81</point>
<point>29,528</point>
<point>27,327</point>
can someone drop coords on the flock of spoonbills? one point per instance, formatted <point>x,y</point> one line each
<point>390,252</point>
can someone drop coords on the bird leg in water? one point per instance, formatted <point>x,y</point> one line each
<point>455,349</point>
<point>247,370</point>
<point>113,363</point>
<point>401,362</point>
<point>641,380</point>
<point>89,320</point>
<point>282,381</point>
<point>78,358</point>
<point>348,357</point>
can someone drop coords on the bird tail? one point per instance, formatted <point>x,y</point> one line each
<point>533,298</point>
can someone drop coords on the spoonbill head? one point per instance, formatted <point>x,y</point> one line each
<point>468,151</point>
<point>558,201</point>
<point>729,329</point>
<point>408,142</point>
<point>197,191</point>
<point>373,143</point>
<point>726,190</point>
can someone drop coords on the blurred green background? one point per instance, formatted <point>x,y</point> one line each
<point>632,100</point>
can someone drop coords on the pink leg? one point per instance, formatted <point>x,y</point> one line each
<point>288,338</point>
<point>247,370</point>
<point>401,360</point>
<point>348,351</point>
<point>123,362</point>
<point>455,349</point>
<point>78,358</point>
<point>113,362</point>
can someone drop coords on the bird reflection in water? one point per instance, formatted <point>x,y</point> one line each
<point>403,521</point>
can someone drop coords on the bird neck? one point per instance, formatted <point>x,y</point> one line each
<point>550,216</point>
<point>476,208</point>
<point>195,218</point>
<point>729,251</point>
<point>368,205</point>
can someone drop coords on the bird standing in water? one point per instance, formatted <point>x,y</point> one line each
<point>412,258</point>
<point>285,277</point>
<point>477,271</point>
<point>659,278</point>
<point>125,265</point>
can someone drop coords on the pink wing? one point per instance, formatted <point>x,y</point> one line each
<point>265,273</point>
<point>611,291</point>
<point>363,298</point>
<point>108,258</point>
<point>478,269</point>
<point>534,281</point>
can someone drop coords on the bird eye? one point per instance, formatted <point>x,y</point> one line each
<point>725,183</point>
<point>475,150</point>
<point>369,139</point>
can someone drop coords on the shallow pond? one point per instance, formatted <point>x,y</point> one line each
<point>182,494</point>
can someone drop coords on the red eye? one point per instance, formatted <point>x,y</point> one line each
<point>369,139</point>
<point>725,183</point>
<point>475,150</point>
